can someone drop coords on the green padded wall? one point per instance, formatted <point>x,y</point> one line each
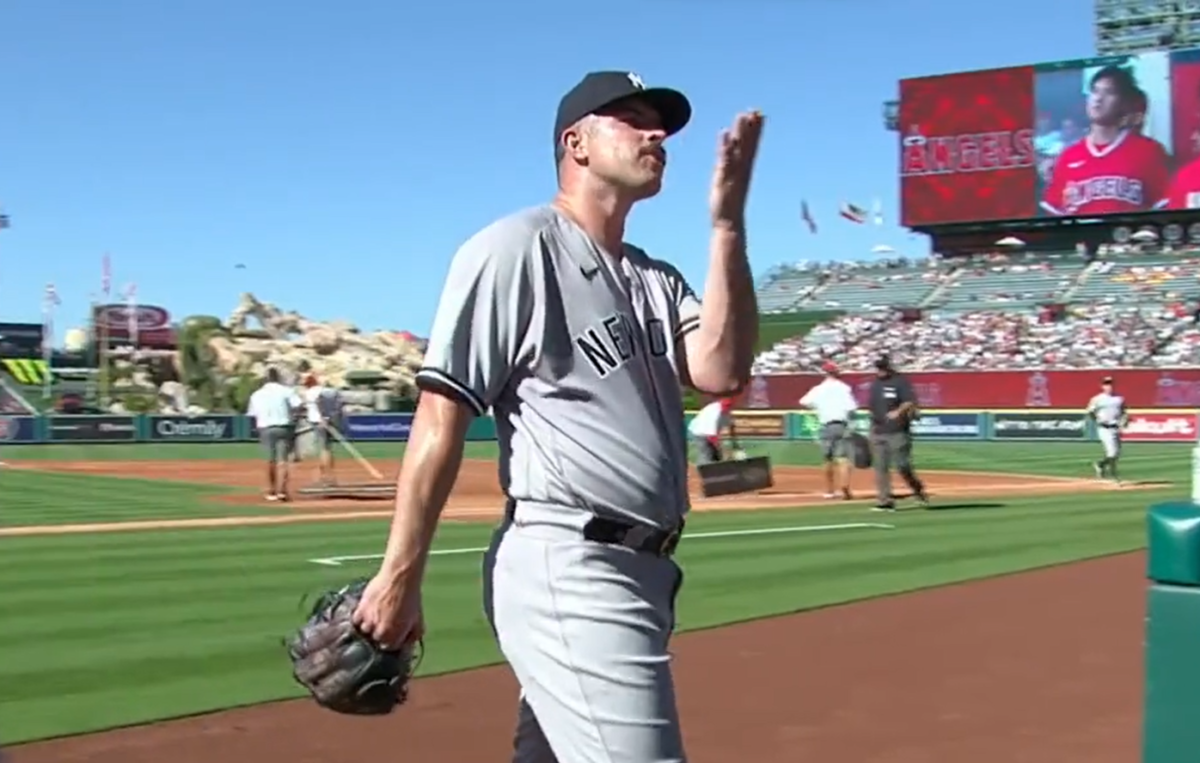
<point>1171,726</point>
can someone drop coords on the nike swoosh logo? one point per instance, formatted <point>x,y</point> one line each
<point>1075,165</point>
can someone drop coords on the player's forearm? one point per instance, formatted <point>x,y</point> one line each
<point>728,333</point>
<point>431,463</point>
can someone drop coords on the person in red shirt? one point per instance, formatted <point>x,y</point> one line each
<point>1184,192</point>
<point>1114,168</point>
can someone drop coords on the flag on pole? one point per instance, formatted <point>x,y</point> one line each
<point>4,222</point>
<point>806,216</point>
<point>49,301</point>
<point>106,275</point>
<point>852,213</point>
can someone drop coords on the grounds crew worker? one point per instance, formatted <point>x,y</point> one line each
<point>706,427</point>
<point>273,407</point>
<point>1108,411</point>
<point>833,403</point>
<point>893,407</point>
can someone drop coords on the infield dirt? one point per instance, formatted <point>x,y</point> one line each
<point>477,496</point>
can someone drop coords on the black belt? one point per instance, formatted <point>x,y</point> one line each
<point>612,532</point>
<point>640,538</point>
<point>839,421</point>
<point>1110,426</point>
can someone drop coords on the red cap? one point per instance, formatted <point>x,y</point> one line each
<point>829,367</point>
<point>726,403</point>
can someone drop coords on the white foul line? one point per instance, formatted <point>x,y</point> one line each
<point>337,561</point>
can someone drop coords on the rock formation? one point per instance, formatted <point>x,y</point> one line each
<point>218,362</point>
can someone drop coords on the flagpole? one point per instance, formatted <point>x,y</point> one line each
<point>49,302</point>
<point>106,290</point>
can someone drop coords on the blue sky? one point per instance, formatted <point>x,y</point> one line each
<point>342,152</point>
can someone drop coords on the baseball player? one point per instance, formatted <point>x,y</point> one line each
<point>579,342</point>
<point>1184,192</point>
<point>833,402</point>
<point>1114,168</point>
<point>1107,409</point>
<point>706,428</point>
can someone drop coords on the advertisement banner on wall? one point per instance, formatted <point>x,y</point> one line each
<point>937,425</point>
<point>17,429</point>
<point>91,428</point>
<point>988,390</point>
<point>1039,425</point>
<point>1155,426</point>
<point>771,426</point>
<point>210,428</point>
<point>385,427</point>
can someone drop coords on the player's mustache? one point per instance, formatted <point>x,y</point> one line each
<point>656,150</point>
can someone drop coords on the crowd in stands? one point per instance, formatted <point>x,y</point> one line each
<point>1089,336</point>
<point>1126,306</point>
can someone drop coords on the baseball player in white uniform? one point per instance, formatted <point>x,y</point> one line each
<point>1108,410</point>
<point>578,342</point>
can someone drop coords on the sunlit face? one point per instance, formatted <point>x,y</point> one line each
<point>623,145</point>
<point>1104,105</point>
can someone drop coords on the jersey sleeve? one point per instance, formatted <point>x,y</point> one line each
<point>482,319</point>
<point>687,307</point>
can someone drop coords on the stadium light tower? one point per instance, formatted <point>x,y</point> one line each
<point>1135,26</point>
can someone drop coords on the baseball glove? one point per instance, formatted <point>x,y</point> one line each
<point>344,670</point>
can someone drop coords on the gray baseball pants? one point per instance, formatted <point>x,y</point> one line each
<point>893,450</point>
<point>585,627</point>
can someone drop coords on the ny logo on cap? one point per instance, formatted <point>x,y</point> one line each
<point>636,81</point>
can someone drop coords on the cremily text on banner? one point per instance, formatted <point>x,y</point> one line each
<point>91,428</point>
<point>206,428</point>
<point>16,429</point>
<point>1039,425</point>
<point>388,427</point>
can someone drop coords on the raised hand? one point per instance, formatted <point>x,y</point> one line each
<point>736,151</point>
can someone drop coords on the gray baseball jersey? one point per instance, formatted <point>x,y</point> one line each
<point>576,356</point>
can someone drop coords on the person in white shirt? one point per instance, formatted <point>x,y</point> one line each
<point>706,427</point>
<point>272,406</point>
<point>1107,409</point>
<point>322,408</point>
<point>833,402</point>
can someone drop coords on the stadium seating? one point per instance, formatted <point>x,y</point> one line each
<point>1125,309</point>
<point>1141,279</point>
<point>786,290</point>
<point>866,291</point>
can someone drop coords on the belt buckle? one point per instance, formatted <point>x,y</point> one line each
<point>670,542</point>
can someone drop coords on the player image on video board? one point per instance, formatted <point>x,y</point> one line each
<point>1184,191</point>
<point>1104,136</point>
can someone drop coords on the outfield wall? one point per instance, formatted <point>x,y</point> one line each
<point>1035,425</point>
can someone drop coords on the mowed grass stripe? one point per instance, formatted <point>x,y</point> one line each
<point>47,498</point>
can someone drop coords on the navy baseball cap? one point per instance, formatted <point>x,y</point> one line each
<point>600,89</point>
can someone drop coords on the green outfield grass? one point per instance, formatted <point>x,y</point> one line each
<point>107,629</point>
